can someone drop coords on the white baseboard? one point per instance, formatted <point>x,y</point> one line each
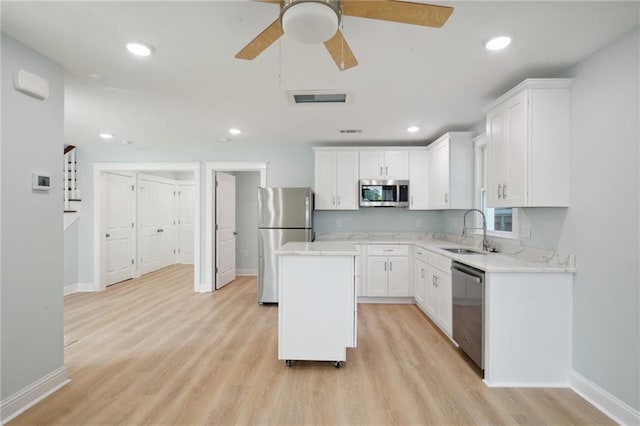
<point>26,398</point>
<point>80,287</point>
<point>619,411</point>
<point>247,271</point>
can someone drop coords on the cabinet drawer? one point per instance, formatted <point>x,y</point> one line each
<point>421,254</point>
<point>387,250</point>
<point>438,261</point>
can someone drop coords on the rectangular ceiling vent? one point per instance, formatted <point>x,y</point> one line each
<point>319,97</point>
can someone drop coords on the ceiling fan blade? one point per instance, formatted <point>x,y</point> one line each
<point>262,41</point>
<point>340,52</point>
<point>427,15</point>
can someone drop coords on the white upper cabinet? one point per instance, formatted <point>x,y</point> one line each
<point>450,172</point>
<point>418,180</point>
<point>378,164</point>
<point>336,180</point>
<point>528,137</point>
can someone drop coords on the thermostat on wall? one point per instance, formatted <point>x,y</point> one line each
<point>41,182</point>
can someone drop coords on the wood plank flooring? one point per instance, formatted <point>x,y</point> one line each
<point>151,351</point>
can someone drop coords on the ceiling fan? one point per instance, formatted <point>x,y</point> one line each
<point>317,21</point>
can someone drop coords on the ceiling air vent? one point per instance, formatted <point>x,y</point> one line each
<point>319,97</point>
<point>350,131</point>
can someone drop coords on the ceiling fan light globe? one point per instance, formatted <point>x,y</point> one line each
<point>310,22</point>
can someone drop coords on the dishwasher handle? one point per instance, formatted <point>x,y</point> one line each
<point>468,270</point>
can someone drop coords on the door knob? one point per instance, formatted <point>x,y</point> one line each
<point>107,235</point>
<point>235,233</point>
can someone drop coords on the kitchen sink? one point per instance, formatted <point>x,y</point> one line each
<point>461,251</point>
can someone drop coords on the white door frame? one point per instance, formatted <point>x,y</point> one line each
<point>99,168</point>
<point>209,187</point>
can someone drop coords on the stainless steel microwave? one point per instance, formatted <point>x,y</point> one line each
<point>384,193</point>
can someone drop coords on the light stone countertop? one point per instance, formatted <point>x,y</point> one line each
<point>512,258</point>
<point>318,248</point>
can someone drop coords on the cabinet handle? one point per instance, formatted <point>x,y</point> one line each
<point>385,266</point>
<point>446,197</point>
<point>504,191</point>
<point>386,170</point>
<point>412,200</point>
<point>390,266</point>
<point>338,200</point>
<point>107,235</point>
<point>435,280</point>
<point>333,201</point>
<point>381,174</point>
<point>499,192</point>
<point>422,272</point>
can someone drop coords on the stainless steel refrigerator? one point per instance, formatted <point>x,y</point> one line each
<point>284,214</point>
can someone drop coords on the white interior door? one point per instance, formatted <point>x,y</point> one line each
<point>185,223</point>
<point>166,223</point>
<point>149,224</point>
<point>225,229</point>
<point>157,236</point>
<point>119,213</point>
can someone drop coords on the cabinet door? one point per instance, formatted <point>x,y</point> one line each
<point>439,175</point>
<point>346,180</point>
<point>396,164</point>
<point>399,279</point>
<point>371,164</point>
<point>430,293</point>
<point>442,283</point>
<point>377,276</point>
<point>514,189</point>
<point>418,180</point>
<point>497,156</point>
<point>419,279</point>
<point>325,180</point>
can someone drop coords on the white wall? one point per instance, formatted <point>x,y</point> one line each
<point>32,262</point>
<point>377,220</point>
<point>602,225</point>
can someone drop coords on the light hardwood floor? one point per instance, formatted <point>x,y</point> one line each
<point>151,351</point>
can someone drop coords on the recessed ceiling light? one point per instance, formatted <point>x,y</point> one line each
<point>235,131</point>
<point>413,129</point>
<point>106,136</point>
<point>498,43</point>
<point>140,49</point>
<point>225,140</point>
<point>126,142</point>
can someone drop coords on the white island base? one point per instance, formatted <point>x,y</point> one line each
<point>317,310</point>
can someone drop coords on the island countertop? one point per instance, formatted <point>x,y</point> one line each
<point>318,248</point>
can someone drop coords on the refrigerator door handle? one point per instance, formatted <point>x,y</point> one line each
<point>307,211</point>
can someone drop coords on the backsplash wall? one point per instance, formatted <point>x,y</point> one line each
<point>377,220</point>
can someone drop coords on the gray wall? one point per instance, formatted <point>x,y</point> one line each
<point>247,220</point>
<point>32,263</point>
<point>70,255</point>
<point>601,226</point>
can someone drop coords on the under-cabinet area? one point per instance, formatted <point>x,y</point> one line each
<point>524,307</point>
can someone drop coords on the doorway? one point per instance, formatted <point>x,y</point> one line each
<point>157,240</point>
<point>210,248</point>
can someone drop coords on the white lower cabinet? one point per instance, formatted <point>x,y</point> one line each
<point>432,280</point>
<point>420,276</point>
<point>388,271</point>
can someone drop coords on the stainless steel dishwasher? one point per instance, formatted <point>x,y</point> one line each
<point>468,310</point>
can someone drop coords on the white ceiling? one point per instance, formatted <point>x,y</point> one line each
<point>192,90</point>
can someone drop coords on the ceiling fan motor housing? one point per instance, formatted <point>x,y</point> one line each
<point>310,21</point>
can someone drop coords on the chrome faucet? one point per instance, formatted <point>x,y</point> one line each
<point>485,241</point>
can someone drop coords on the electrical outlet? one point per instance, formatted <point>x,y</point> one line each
<point>418,223</point>
<point>338,223</point>
<point>525,230</point>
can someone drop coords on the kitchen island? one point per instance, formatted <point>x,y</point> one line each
<point>317,311</point>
